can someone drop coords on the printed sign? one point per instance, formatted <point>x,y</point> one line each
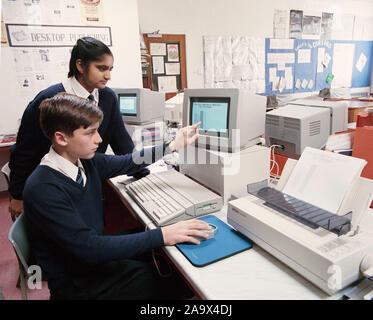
<point>21,35</point>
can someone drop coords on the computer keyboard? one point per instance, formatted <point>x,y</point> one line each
<point>169,196</point>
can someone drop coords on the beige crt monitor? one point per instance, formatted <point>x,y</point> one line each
<point>140,106</point>
<point>232,118</point>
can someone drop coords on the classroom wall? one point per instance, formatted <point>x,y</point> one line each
<point>122,17</point>
<point>196,19</point>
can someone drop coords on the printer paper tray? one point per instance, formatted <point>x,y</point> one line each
<point>301,211</point>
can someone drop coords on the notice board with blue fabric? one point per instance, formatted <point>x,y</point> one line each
<point>226,242</point>
<point>303,65</point>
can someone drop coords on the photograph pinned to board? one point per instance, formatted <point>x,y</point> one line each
<point>173,52</point>
<point>167,84</point>
<point>172,68</point>
<point>326,26</point>
<point>295,24</point>
<point>311,25</point>
<point>158,64</point>
<point>157,48</point>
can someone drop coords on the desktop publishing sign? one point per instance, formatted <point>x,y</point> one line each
<point>23,35</point>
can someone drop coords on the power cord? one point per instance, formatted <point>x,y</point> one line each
<point>154,253</point>
<point>273,161</point>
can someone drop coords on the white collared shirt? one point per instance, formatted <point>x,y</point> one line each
<point>53,160</point>
<point>73,86</point>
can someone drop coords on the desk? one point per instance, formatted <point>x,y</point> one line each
<point>355,106</point>
<point>252,274</point>
<point>4,158</point>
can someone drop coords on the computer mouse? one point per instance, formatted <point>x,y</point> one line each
<point>210,233</point>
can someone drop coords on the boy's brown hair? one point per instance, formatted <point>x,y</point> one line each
<point>66,112</point>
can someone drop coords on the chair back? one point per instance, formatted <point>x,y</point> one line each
<point>19,240</point>
<point>6,171</point>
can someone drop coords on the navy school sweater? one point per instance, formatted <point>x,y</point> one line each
<point>65,220</point>
<point>32,145</point>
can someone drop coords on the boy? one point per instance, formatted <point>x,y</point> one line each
<point>62,203</point>
<point>90,68</point>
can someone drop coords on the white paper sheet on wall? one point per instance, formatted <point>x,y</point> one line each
<point>235,61</point>
<point>167,84</point>
<point>320,58</point>
<point>281,44</point>
<point>276,58</point>
<point>158,64</point>
<point>281,24</point>
<point>157,49</point>
<point>343,57</point>
<point>304,55</point>
<point>360,64</point>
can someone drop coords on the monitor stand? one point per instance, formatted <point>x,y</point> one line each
<point>223,172</point>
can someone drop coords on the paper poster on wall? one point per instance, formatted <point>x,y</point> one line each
<point>47,12</point>
<point>172,52</point>
<point>281,24</point>
<point>158,65</point>
<point>361,62</point>
<point>343,57</point>
<point>172,68</point>
<point>289,78</point>
<point>281,44</point>
<point>295,24</point>
<point>320,59</point>
<point>167,84</point>
<point>311,25</point>
<point>278,58</point>
<point>91,12</point>
<point>54,36</point>
<point>298,84</point>
<point>304,83</point>
<point>157,48</point>
<point>326,26</point>
<point>304,55</point>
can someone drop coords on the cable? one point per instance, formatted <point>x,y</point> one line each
<point>274,163</point>
<point>155,261</point>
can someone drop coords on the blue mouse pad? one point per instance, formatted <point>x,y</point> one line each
<point>225,243</point>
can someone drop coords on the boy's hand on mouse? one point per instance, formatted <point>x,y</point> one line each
<point>185,136</point>
<point>185,231</point>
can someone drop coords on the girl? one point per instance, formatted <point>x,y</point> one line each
<point>90,65</point>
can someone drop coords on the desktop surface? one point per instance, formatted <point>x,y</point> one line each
<point>253,274</point>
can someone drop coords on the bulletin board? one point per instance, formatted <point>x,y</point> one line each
<point>274,66</point>
<point>302,65</point>
<point>167,63</point>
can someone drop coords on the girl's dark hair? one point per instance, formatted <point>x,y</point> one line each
<point>66,112</point>
<point>87,49</point>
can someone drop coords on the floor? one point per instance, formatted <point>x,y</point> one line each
<point>117,219</point>
<point>8,261</point>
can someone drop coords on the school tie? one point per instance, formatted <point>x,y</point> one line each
<point>79,177</point>
<point>90,97</point>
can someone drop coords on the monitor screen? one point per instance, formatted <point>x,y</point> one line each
<point>212,112</point>
<point>127,104</point>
